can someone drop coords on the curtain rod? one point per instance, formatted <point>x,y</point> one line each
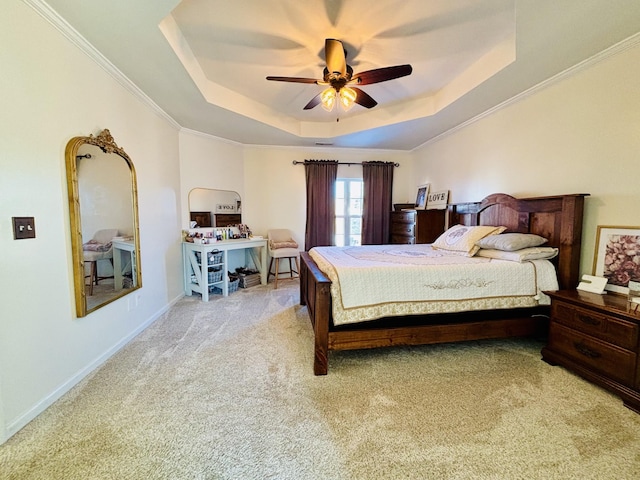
<point>296,162</point>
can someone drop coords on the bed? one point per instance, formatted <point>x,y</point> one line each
<point>556,218</point>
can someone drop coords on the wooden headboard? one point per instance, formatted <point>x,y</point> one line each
<point>557,218</point>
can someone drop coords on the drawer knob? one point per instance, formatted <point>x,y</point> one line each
<point>588,320</point>
<point>586,351</point>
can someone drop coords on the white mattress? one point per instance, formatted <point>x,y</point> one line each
<point>376,281</point>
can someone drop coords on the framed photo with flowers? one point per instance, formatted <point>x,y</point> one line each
<point>617,256</point>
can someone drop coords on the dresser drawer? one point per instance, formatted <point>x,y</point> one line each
<point>403,239</point>
<point>403,217</point>
<point>605,327</point>
<point>610,360</point>
<point>403,229</point>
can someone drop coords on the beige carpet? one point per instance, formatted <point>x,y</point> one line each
<point>225,390</point>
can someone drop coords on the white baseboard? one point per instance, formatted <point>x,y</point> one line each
<point>15,426</point>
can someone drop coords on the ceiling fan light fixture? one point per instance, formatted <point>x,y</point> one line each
<point>347,98</point>
<point>328,99</point>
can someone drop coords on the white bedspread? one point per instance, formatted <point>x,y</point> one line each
<point>372,281</point>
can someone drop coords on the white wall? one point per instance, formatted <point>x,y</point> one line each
<point>275,189</point>
<point>51,93</point>
<point>578,135</point>
<point>272,189</point>
<point>209,162</point>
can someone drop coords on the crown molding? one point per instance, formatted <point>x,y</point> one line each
<point>326,148</point>
<point>197,133</point>
<point>71,34</point>
<point>615,49</point>
<point>298,148</point>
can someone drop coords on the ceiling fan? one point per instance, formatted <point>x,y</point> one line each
<point>339,78</point>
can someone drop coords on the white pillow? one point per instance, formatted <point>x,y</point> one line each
<point>509,242</point>
<point>533,253</point>
<point>461,239</point>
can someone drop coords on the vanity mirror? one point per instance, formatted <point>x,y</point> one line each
<point>103,209</point>
<point>214,208</point>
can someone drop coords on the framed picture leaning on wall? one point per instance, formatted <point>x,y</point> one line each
<point>617,256</point>
<point>421,197</point>
<point>437,200</point>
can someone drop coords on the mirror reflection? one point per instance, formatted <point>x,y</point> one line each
<point>104,225</point>
<point>214,208</point>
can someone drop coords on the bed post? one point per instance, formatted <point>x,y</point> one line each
<point>303,281</point>
<point>321,329</point>
<point>315,293</point>
<point>570,240</point>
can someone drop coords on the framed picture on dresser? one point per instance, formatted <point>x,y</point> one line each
<point>617,256</point>
<point>421,197</point>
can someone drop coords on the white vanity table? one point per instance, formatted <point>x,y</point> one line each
<point>128,248</point>
<point>199,262</point>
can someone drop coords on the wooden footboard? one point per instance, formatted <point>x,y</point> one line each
<point>315,293</point>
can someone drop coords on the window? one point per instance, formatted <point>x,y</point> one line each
<point>348,212</point>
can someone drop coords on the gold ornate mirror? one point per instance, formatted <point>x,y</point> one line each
<point>103,209</point>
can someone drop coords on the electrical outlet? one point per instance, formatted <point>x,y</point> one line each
<point>24,227</point>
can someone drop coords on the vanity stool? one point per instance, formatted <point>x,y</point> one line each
<point>91,256</point>
<point>282,245</point>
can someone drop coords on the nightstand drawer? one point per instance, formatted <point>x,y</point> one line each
<point>608,359</point>
<point>614,330</point>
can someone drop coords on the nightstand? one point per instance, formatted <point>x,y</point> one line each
<point>597,337</point>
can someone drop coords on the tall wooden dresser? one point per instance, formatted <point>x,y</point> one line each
<point>416,226</point>
<point>597,337</point>
<point>429,225</point>
<point>403,227</point>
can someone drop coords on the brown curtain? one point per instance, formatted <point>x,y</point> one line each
<point>321,205</point>
<point>376,209</point>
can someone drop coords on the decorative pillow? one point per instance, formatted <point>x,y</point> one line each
<point>461,239</point>
<point>286,244</point>
<point>533,253</point>
<point>509,242</point>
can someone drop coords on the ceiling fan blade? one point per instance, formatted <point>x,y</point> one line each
<point>381,74</point>
<point>334,53</point>
<point>315,101</point>
<point>363,98</point>
<point>294,79</point>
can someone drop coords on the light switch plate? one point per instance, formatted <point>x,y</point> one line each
<point>24,227</point>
